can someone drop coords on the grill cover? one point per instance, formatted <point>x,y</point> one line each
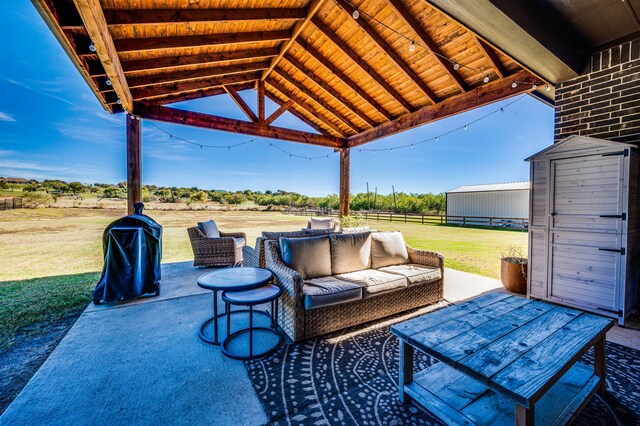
<point>132,252</point>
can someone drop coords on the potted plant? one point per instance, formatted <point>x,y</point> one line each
<point>513,270</point>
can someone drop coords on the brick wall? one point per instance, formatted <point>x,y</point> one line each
<point>604,102</point>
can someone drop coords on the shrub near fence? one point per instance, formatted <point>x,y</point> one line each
<point>424,219</point>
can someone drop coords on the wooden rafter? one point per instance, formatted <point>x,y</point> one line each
<point>277,113</point>
<point>345,78</point>
<point>304,105</point>
<point>196,94</point>
<point>164,16</point>
<point>191,85</point>
<point>327,88</point>
<point>151,43</point>
<point>199,59</point>
<point>93,18</point>
<point>365,67</point>
<point>389,51</point>
<point>482,95</point>
<point>303,89</point>
<point>198,119</point>
<point>260,93</point>
<point>425,39</point>
<point>493,58</point>
<point>241,103</point>
<point>182,75</point>
<point>297,29</point>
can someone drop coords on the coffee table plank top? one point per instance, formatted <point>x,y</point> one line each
<point>516,346</point>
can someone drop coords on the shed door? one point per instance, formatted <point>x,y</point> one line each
<point>586,230</point>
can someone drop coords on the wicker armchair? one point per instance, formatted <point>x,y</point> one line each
<point>221,251</point>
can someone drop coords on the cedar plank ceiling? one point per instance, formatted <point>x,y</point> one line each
<point>342,76</point>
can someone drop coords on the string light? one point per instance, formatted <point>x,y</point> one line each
<point>486,79</point>
<point>466,127</point>
<point>119,101</point>
<point>547,88</point>
<point>356,14</point>
<point>534,86</point>
<point>456,66</point>
<point>412,47</point>
<point>108,82</point>
<point>514,85</point>
<point>92,47</point>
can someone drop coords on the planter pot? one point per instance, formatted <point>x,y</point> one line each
<point>514,276</point>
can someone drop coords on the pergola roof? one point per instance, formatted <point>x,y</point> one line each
<point>352,80</point>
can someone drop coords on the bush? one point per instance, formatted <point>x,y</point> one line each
<point>32,200</point>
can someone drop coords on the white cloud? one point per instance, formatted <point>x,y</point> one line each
<point>6,117</point>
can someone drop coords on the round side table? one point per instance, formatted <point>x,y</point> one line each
<point>230,279</point>
<point>258,296</point>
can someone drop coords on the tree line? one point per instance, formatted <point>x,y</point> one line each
<point>400,202</point>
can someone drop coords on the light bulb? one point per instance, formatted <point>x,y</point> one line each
<point>412,47</point>
<point>356,14</point>
<point>108,82</point>
<point>486,79</point>
<point>514,85</point>
<point>456,66</point>
<point>466,127</point>
<point>534,86</point>
<point>411,146</point>
<point>119,101</point>
<point>436,139</point>
<point>92,47</point>
<point>547,88</point>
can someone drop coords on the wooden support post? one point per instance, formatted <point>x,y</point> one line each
<point>134,163</point>
<point>599,364</point>
<point>261,101</point>
<point>345,162</point>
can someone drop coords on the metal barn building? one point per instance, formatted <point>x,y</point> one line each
<point>487,202</point>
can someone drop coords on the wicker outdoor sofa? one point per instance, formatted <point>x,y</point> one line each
<point>302,318</point>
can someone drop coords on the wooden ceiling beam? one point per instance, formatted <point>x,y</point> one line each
<point>304,105</point>
<point>295,113</point>
<point>241,103</point>
<point>480,96</point>
<point>191,85</point>
<point>358,60</point>
<point>91,13</point>
<point>196,94</point>
<point>388,50</point>
<point>425,39</point>
<point>199,59</point>
<point>344,78</point>
<point>165,16</point>
<point>183,75</point>
<point>260,93</point>
<point>311,75</point>
<point>198,119</point>
<point>151,43</point>
<point>277,113</point>
<point>492,57</point>
<point>297,29</point>
<point>303,89</point>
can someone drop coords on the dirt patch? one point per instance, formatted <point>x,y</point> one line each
<point>20,361</point>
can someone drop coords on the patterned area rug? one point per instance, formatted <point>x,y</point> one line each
<point>350,378</point>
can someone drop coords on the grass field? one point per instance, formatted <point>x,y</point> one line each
<point>51,258</point>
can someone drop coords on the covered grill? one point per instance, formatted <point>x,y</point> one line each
<point>132,252</point>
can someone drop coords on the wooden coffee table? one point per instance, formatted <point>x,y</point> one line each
<point>504,360</point>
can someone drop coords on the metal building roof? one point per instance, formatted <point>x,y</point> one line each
<point>508,186</point>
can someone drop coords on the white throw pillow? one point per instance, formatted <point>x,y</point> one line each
<point>322,223</point>
<point>210,229</point>
<point>388,248</point>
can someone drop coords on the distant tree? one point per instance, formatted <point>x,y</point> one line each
<point>113,192</point>
<point>32,200</point>
<point>30,188</point>
<point>199,197</point>
<point>76,188</point>
<point>3,185</point>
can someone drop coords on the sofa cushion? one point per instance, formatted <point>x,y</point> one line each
<point>321,223</point>
<point>309,256</point>
<point>326,291</point>
<point>375,282</point>
<point>416,274</point>
<point>388,248</point>
<point>350,252</point>
<point>281,234</point>
<point>209,228</point>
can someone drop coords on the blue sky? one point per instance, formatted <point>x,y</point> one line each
<point>51,126</point>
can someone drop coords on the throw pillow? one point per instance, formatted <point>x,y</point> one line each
<point>350,252</point>
<point>388,248</point>
<point>209,228</point>
<point>321,223</point>
<point>309,256</point>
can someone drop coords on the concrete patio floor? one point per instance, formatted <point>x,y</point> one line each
<point>142,362</point>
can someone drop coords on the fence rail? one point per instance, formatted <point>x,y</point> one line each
<point>424,219</point>
<point>10,203</point>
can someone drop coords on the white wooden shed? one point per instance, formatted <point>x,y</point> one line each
<point>583,227</point>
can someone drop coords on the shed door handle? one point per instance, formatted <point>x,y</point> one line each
<point>620,250</point>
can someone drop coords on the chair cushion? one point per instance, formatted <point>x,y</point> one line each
<point>375,282</point>
<point>326,291</point>
<point>350,252</point>
<point>416,274</point>
<point>209,228</point>
<point>311,257</point>
<point>388,248</point>
<point>322,223</point>
<point>239,242</point>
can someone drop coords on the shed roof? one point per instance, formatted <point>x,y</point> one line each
<point>508,186</point>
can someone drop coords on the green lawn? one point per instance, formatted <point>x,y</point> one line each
<point>51,257</point>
